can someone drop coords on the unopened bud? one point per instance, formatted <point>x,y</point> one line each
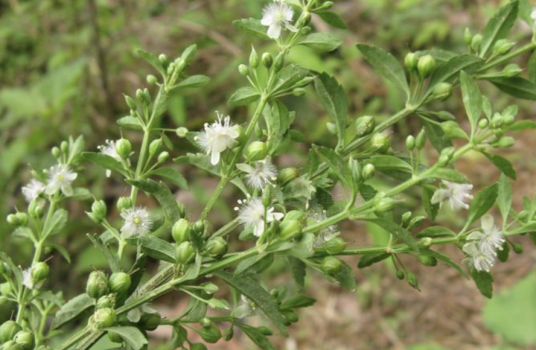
<point>426,66</point>
<point>40,272</point>
<point>64,147</point>
<point>364,126</point>
<point>150,321</point>
<point>420,140</point>
<point>104,318</point>
<point>442,91</point>
<point>105,302</point>
<point>412,280</point>
<point>290,229</point>
<point>286,175</point>
<point>151,79</point>
<point>384,204</point>
<point>335,246</point>
<point>411,61</point>
<point>185,253</point>
<point>217,247</point>
<point>98,211</point>
<point>123,148</point>
<point>253,58</point>
<point>476,42</point>
<point>124,203</point>
<point>163,157</point>
<point>299,92</point>
<point>468,37</point>
<point>305,30</point>
<point>410,143</point>
<point>97,285</point>
<point>400,274</point>
<point>155,147</point>
<point>210,288</point>
<point>243,70</point>
<point>406,217</point>
<point>279,62</point>
<point>163,59</point>
<point>483,123</point>
<point>380,142</point>
<point>181,132</point>
<point>443,160</point>
<point>181,231</point>
<point>267,60</point>
<point>518,248</point>
<point>427,260</point>
<point>332,128</point>
<point>56,153</point>
<point>512,70</point>
<point>368,171</point>
<point>267,196</point>
<point>25,339</point>
<point>505,142</point>
<point>502,47</point>
<point>119,282</point>
<point>8,330</point>
<point>131,103</point>
<point>331,265</point>
<point>256,150</point>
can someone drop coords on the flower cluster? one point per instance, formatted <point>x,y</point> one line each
<point>481,247</point>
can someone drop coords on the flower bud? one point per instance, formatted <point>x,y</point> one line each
<point>291,315</point>
<point>299,92</point>
<point>335,246</point>
<point>217,247</point>
<point>210,288</point>
<point>383,204</point>
<point>468,36</point>
<point>332,128</point>
<point>483,123</point>
<point>211,334</point>
<point>368,171</point>
<point>442,91</point>
<point>267,196</point>
<point>420,140</point>
<point>295,215</point>
<point>331,265</point>
<point>199,346</point>
<point>97,284</point>
<point>427,260</point>
<point>206,322</point>
<point>410,143</point>
<point>131,103</point>
<point>56,153</point>
<point>426,66</point>
<point>98,211</point>
<point>155,147</point>
<point>12,220</point>
<point>105,302</point>
<point>123,148</point>
<point>163,59</point>
<point>181,132</point>
<point>104,318</point>
<point>8,330</point>
<point>279,62</point>
<point>64,147</point>
<point>512,70</point>
<point>181,231</point>
<point>11,345</point>
<point>411,61</point>
<point>115,338</point>
<point>150,321</point>
<point>518,248</point>
<point>151,79</point>
<point>380,142</point>
<point>40,272</point>
<point>124,203</point>
<point>290,229</point>
<point>286,175</point>
<point>243,70</point>
<point>412,280</point>
<point>253,58</point>
<point>36,210</point>
<point>119,282</point>
<point>185,253</point>
<point>256,150</point>
<point>25,339</point>
<point>443,161</point>
<point>509,119</point>
<point>417,221</point>
<point>502,47</point>
<point>406,217</point>
<point>163,157</point>
<point>364,125</point>
<point>199,227</point>
<point>400,274</point>
<point>476,42</point>
<point>497,121</point>
<point>241,134</point>
<point>265,330</point>
<point>267,60</point>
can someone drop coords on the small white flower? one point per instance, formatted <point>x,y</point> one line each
<point>277,15</point>
<point>109,149</point>
<point>326,234</point>
<point>455,194</point>
<point>27,278</point>
<point>138,222</point>
<point>253,213</point>
<point>32,190</point>
<point>60,178</point>
<point>477,259</point>
<point>533,14</point>
<point>261,174</point>
<point>246,308</point>
<point>217,137</point>
<point>490,239</point>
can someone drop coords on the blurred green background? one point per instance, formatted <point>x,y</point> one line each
<point>65,64</point>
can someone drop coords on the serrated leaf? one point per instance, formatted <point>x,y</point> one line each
<point>72,309</point>
<point>436,135</point>
<point>322,42</point>
<point>171,175</point>
<point>131,335</point>
<point>243,96</point>
<point>336,164</point>
<point>64,252</point>
<point>390,164</point>
<point>346,277</point>
<point>516,86</point>
<point>484,283</point>
<point>252,26</point>
<point>297,268</point>
<point>289,76</point>
<point>333,99</point>
<point>482,203</point>
<point>158,248</point>
<point>498,26</point>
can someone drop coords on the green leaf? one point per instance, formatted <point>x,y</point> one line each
<point>253,291</point>
<point>472,99</point>
<point>371,259</point>
<point>436,135</point>
<point>322,42</point>
<point>171,175</point>
<point>452,130</point>
<point>152,59</point>
<point>162,194</point>
<point>64,252</point>
<point>333,99</point>
<point>72,309</point>
<point>104,161</point>
<point>484,283</point>
<point>390,165</point>
<point>254,265</point>
<point>332,19</point>
<point>129,122</point>
<point>105,250</point>
<point>131,335</point>
<point>56,223</point>
<point>296,302</point>
<point>195,81</point>
<point>430,209</point>
<point>289,76</point>
<point>256,336</point>
<point>336,164</point>
<point>297,268</point>
<point>504,197</point>
<point>446,260</point>
<point>498,26</point>
<point>482,203</point>
<point>435,232</point>
<point>522,125</point>
<point>252,26</point>
<point>158,248</point>
<point>450,70</point>
<point>517,87</point>
<point>386,65</point>
<point>450,175</point>
<point>396,230</point>
<point>504,253</point>
<point>346,278</point>
<point>243,97</point>
<point>502,164</point>
<point>193,271</point>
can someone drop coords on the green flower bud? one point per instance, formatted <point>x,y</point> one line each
<point>131,103</point>
<point>199,227</point>
<point>256,150</point>
<point>198,346</point>
<point>22,218</point>
<point>8,330</point>
<point>206,322</point>
<point>36,210</point>
<point>299,92</point>
<point>290,229</point>
<point>411,61</point>
<point>12,220</point>
<point>211,334</point>
<point>331,265</point>
<point>181,231</point>
<point>210,288</point>
<point>518,248</point>
<point>228,334</point>
<point>483,123</point>
<point>295,215</point>
<point>364,125</point>
<point>305,81</point>
<point>412,280</point>
<point>25,339</point>
<point>417,221</point>
<point>64,147</point>
<point>468,36</point>
<point>163,157</point>
<point>335,246</point>
<point>502,47</point>
<point>420,140</point>
<point>11,345</point>
<point>151,79</point>
<point>241,135</point>
<point>243,70</point>
<point>332,128</point>
<point>442,91</point>
<point>267,60</point>
<point>368,171</point>
<point>400,274</point>
<point>40,272</point>
<point>286,175</point>
<point>384,204</point>
<point>105,302</point>
<point>291,315</point>
<point>104,318</point>
<point>150,321</point>
<point>155,147</point>
<point>123,148</point>
<point>253,58</point>
<point>181,132</point>
<point>97,284</point>
<point>124,203</point>
<point>119,282</point>
<point>217,247</point>
<point>98,211</point>
<point>56,153</point>
<point>512,70</point>
<point>163,59</point>
<point>443,161</point>
<point>279,62</point>
<point>115,338</point>
<point>426,66</point>
<point>380,142</point>
<point>406,217</point>
<point>476,42</point>
<point>448,151</point>
<point>265,330</point>
<point>3,300</point>
<point>185,253</point>
<point>509,119</point>
<point>410,143</point>
<point>427,260</point>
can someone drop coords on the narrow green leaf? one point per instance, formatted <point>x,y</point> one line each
<point>105,250</point>
<point>450,175</point>
<point>430,209</point>
<point>499,26</point>
<point>171,175</point>
<point>436,135</point>
<point>371,259</point>
<point>504,197</point>
<point>297,268</point>
<point>64,252</point>
<point>333,99</point>
<point>195,81</point>
<point>396,230</point>
<point>243,96</point>
<point>72,309</point>
<point>252,26</point>
<point>446,260</point>
<point>256,336</point>
<point>450,70</point>
<point>518,87</point>
<point>297,302</point>
<point>152,59</point>
<point>104,161</point>
<point>522,125</point>
<point>289,76</point>
<point>322,42</point>
<point>56,223</point>
<point>346,278</point>
<point>129,122</point>
<point>131,335</point>
<point>435,232</point>
<point>484,283</point>
<point>482,203</point>
<point>389,164</point>
<point>472,99</point>
<point>502,164</point>
<point>332,19</point>
<point>336,164</point>
<point>162,194</point>
<point>158,248</point>
<point>254,265</point>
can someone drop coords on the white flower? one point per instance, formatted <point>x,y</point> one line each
<point>60,178</point>
<point>253,213</point>
<point>246,308</point>
<point>137,222</point>
<point>326,234</point>
<point>455,194</point>
<point>261,174</point>
<point>477,259</point>
<point>277,15</point>
<point>32,190</point>
<point>109,149</point>
<point>490,239</point>
<point>27,278</point>
<point>217,137</point>
<point>533,14</point>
